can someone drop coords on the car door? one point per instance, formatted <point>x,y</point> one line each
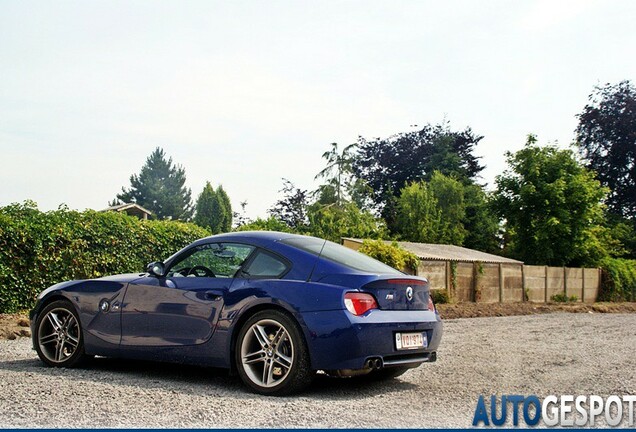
<point>183,307</point>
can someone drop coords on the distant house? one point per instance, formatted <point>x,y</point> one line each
<point>130,209</point>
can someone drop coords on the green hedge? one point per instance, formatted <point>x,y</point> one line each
<point>618,280</point>
<point>39,249</point>
<point>390,254</point>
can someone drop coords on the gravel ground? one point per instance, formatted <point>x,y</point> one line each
<point>539,354</point>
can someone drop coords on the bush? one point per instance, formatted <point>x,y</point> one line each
<point>562,298</point>
<point>269,224</point>
<point>390,254</point>
<point>38,249</point>
<point>618,280</point>
<point>440,296</point>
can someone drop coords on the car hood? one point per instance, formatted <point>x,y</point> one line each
<point>121,278</point>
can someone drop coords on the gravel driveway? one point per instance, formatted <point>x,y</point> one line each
<point>539,354</point>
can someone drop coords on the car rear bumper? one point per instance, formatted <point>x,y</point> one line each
<point>340,340</point>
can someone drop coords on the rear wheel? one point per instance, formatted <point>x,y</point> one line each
<point>271,355</point>
<point>58,335</point>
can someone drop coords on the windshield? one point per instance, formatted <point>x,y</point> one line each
<point>341,255</point>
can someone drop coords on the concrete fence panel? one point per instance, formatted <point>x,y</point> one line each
<point>591,283</point>
<point>512,283</point>
<point>535,283</point>
<point>554,281</point>
<point>464,282</point>
<point>574,283</point>
<point>488,284</point>
<point>434,271</point>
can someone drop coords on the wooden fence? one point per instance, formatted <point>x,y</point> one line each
<point>504,283</point>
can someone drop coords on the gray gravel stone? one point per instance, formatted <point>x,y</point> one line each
<point>541,354</point>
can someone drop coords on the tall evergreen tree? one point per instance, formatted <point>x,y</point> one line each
<point>213,210</point>
<point>160,188</point>
<point>204,216</point>
<point>225,224</point>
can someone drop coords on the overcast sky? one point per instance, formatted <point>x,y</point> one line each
<point>243,93</point>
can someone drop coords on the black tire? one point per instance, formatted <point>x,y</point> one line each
<point>58,337</point>
<point>271,354</point>
<point>386,373</point>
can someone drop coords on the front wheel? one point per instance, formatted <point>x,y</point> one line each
<point>271,355</point>
<point>58,335</point>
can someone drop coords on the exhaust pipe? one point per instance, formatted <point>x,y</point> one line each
<point>374,363</point>
<point>369,366</point>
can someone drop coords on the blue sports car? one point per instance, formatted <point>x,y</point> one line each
<point>273,307</point>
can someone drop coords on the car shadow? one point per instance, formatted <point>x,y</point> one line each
<point>204,381</point>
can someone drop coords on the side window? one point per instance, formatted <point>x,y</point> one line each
<point>211,260</point>
<point>265,265</point>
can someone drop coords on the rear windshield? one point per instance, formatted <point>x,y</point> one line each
<point>341,255</point>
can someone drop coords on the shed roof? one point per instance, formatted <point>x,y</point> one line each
<point>127,206</point>
<point>442,252</point>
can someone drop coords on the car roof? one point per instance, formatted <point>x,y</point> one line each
<point>263,236</point>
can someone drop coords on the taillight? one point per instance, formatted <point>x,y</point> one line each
<point>431,306</point>
<point>359,303</point>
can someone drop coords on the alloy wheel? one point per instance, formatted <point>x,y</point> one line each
<point>58,335</point>
<point>267,353</point>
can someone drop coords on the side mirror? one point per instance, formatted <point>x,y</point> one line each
<point>156,268</point>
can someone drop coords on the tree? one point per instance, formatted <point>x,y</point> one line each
<point>606,137</point>
<point>269,224</point>
<point>338,170</point>
<point>213,210</point>
<point>160,188</point>
<point>480,222</point>
<point>333,222</point>
<point>432,212</point>
<point>388,165</point>
<point>292,208</point>
<point>418,216</point>
<point>205,216</point>
<point>225,224</point>
<point>449,194</point>
<point>552,208</point>
<point>241,219</point>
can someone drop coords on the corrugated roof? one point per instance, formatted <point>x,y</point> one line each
<point>441,252</point>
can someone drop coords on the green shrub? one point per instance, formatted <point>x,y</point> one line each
<point>618,280</point>
<point>390,254</point>
<point>440,296</point>
<point>38,249</point>
<point>269,224</point>
<point>563,298</point>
